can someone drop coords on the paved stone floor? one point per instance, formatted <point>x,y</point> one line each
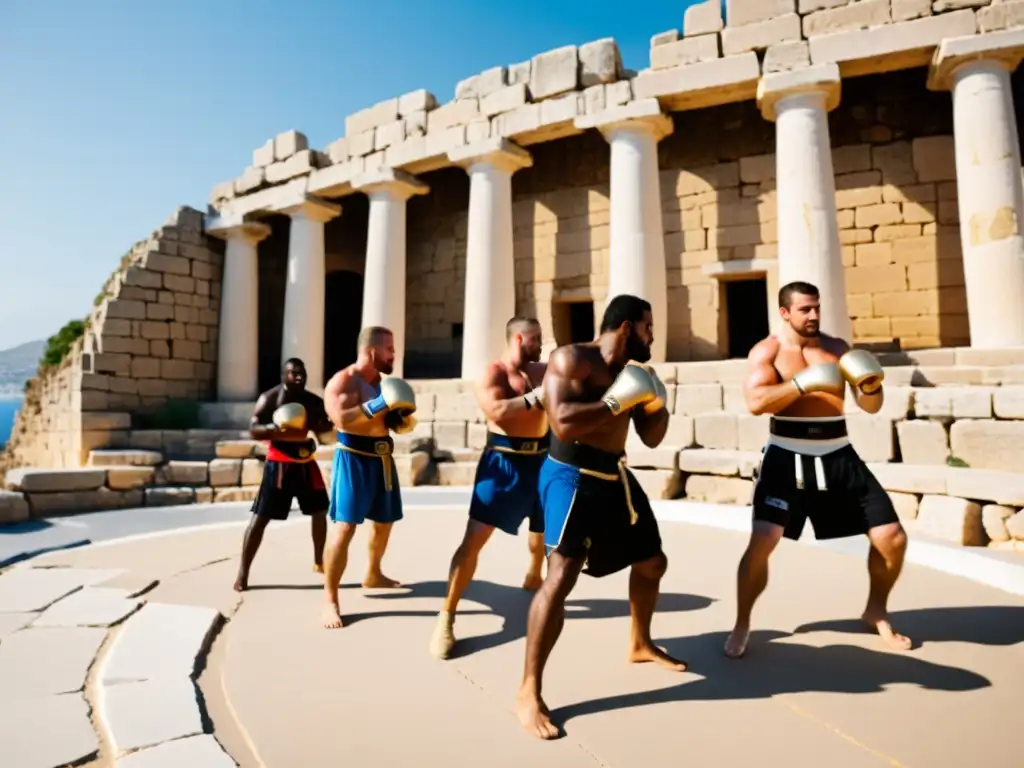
<point>199,676</point>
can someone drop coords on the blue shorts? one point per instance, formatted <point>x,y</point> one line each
<point>505,487</point>
<point>587,510</point>
<point>364,481</point>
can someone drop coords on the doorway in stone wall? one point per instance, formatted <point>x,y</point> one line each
<point>342,319</point>
<point>746,303</point>
<point>573,321</point>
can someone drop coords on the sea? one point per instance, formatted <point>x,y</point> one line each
<point>8,409</point>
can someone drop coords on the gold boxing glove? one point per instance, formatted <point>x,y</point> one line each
<point>633,386</point>
<point>395,395</point>
<point>862,370</point>
<point>824,377</point>
<point>660,393</point>
<point>402,424</point>
<point>290,416</point>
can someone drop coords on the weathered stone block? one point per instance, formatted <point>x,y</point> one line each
<point>1015,526</point>
<point>662,457</point>
<point>906,505</point>
<point>369,118</point>
<point>252,472</point>
<point>909,478</point>
<point>453,113</point>
<point>126,478</point>
<point>951,519</point>
<point>451,434</point>
<point>245,493</point>
<point>719,490</point>
<point>669,36</point>
<point>716,430</point>
<point>168,497</point>
<point>503,100</point>
<point>740,12</point>
<point>13,507</point>
<point>54,480</point>
<point>694,399</point>
<point>456,472</point>
<point>600,62</point>
<point>554,72</point>
<point>993,520</point>
<point>1005,488</point>
<point>783,57</point>
<point>73,502</point>
<point>923,442</point>
<point>859,15</point>
<point>761,35</point>
<point>168,265</point>
<point>1008,403</point>
<point>703,18</point>
<point>185,473</point>
<point>659,483</point>
<point>416,101</point>
<point>989,444</point>
<point>689,50</point>
<point>225,472</point>
<point>904,10</point>
<point>1001,15</point>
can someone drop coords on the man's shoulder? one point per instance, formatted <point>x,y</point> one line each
<point>311,399</point>
<point>833,344</point>
<point>573,358</point>
<point>765,350</point>
<point>271,394</point>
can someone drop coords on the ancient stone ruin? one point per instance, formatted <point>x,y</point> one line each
<point>869,147</point>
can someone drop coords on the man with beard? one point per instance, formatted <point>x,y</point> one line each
<point>597,518</point>
<point>505,487</point>
<point>290,471</point>
<point>364,482</point>
<point>808,468</point>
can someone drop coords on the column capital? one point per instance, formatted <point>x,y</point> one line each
<point>645,115</point>
<point>820,79</point>
<point>313,208</point>
<point>399,184</point>
<point>1005,49</point>
<point>236,226</point>
<point>499,152</point>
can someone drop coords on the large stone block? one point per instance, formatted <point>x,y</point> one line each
<point>923,442</point>
<point>1008,403</point>
<point>689,50</point>
<point>760,36</point>
<point>554,72</point>
<point>740,12</point>
<point>54,480</point>
<point>905,504</point>
<point>871,436</point>
<point>225,472</point>
<point>703,18</point>
<point>989,444</point>
<point>859,15</point>
<point>456,472</point>
<point>909,478</point>
<point>993,520</point>
<point>953,402</point>
<point>719,490</point>
<point>784,57</point>
<point>168,497</point>
<point>76,502</point>
<point>695,399</point>
<point>252,472</point>
<point>659,483</point>
<point>1001,15</point>
<point>1005,488</point>
<point>662,457</point>
<point>126,478</point>
<point>13,507</point>
<point>600,62</point>
<point>951,519</point>
<point>1015,526</point>
<point>716,430</point>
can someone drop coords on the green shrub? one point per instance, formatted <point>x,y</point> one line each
<point>175,414</point>
<point>58,345</point>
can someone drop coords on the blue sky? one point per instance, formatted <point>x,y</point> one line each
<point>114,113</point>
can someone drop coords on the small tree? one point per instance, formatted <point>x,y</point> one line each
<point>58,345</point>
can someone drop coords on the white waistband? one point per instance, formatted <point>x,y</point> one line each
<point>809,447</point>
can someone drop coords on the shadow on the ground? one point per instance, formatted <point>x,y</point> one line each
<point>775,668</point>
<point>513,603</point>
<point>979,624</point>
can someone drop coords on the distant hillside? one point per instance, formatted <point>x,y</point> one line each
<point>18,364</point>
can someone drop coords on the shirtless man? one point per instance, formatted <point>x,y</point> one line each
<point>505,487</point>
<point>808,468</point>
<point>364,482</point>
<point>597,518</point>
<point>290,471</point>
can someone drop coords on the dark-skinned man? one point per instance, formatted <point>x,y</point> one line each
<point>284,417</point>
<point>597,518</point>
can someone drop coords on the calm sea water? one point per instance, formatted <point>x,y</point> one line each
<point>8,408</point>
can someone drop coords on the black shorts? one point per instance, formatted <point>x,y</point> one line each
<point>851,502</point>
<point>586,516</point>
<point>284,481</point>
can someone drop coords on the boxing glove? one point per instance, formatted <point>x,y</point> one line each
<point>862,370</point>
<point>660,394</point>
<point>395,395</point>
<point>633,386</point>
<point>399,422</point>
<point>290,416</point>
<point>824,377</point>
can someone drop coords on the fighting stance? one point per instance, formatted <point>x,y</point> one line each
<point>505,487</point>
<point>808,468</point>
<point>597,518</point>
<point>290,471</point>
<point>364,481</point>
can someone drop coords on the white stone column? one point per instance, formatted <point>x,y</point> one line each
<point>989,189</point>
<point>238,335</point>
<point>636,262</point>
<point>490,271</point>
<point>809,249</point>
<point>305,285</point>
<point>384,274</point>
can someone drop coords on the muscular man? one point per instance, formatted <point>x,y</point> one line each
<point>597,518</point>
<point>809,469</point>
<point>290,471</point>
<point>364,482</point>
<point>505,487</point>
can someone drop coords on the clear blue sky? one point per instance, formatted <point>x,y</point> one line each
<point>114,113</point>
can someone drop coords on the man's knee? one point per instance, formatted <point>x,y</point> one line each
<point>889,539</point>
<point>342,533</point>
<point>562,575</point>
<point>763,539</point>
<point>653,567</point>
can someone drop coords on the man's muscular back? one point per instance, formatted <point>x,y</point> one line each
<point>578,374</point>
<point>773,362</point>
<point>347,390</point>
<point>502,383</point>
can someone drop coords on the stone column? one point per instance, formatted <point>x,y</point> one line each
<point>636,262</point>
<point>238,336</point>
<point>989,189</point>
<point>303,333</point>
<point>384,274</point>
<point>809,249</point>
<point>490,273</point>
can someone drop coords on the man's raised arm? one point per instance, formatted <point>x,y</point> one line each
<point>569,415</point>
<point>762,391</point>
<point>489,394</point>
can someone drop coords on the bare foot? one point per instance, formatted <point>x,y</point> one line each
<point>736,643</point>
<point>318,568</point>
<point>649,652</point>
<point>890,636</point>
<point>535,717</point>
<point>241,583</point>
<point>380,581</point>
<point>331,617</point>
<point>532,581</point>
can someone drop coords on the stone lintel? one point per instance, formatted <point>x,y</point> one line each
<point>311,207</point>
<point>250,231</point>
<point>739,268</point>
<point>335,180</point>
<point>496,150</point>
<point>398,183</point>
<point>821,78</point>
<point>270,200</point>
<point>704,84</point>
<point>645,114</point>
<point>1004,48</point>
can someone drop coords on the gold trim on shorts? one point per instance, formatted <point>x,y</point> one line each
<point>607,476</point>
<point>383,451</point>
